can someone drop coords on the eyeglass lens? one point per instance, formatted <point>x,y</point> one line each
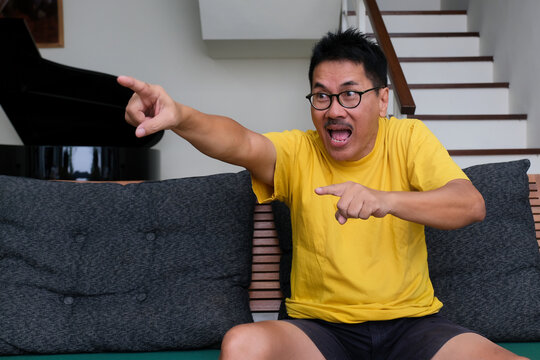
<point>346,99</point>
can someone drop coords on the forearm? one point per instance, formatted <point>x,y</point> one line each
<point>151,109</point>
<point>453,206</point>
<point>223,138</point>
<point>217,136</point>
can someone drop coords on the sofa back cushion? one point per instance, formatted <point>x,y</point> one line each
<point>488,274</point>
<point>89,267</point>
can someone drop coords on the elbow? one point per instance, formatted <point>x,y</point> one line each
<point>479,212</point>
<point>477,209</point>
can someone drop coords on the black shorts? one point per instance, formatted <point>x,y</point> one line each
<point>406,338</point>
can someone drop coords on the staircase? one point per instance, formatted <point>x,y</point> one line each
<point>453,87</point>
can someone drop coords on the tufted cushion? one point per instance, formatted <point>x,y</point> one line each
<point>105,267</point>
<point>488,274</point>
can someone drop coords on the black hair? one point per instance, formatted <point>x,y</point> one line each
<point>354,46</point>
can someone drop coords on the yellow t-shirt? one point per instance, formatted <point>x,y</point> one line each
<point>373,269</point>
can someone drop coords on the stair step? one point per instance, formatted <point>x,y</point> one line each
<point>446,59</point>
<point>448,72</point>
<point>440,46</point>
<point>386,5</point>
<point>462,117</point>
<point>422,22</point>
<point>433,34</point>
<point>461,100</point>
<point>424,12</point>
<point>479,134</point>
<point>489,85</point>
<point>484,152</point>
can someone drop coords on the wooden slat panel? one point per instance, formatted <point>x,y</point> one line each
<point>263,216</point>
<point>265,242</point>
<point>265,276</point>
<point>264,305</point>
<point>264,233</point>
<point>535,202</point>
<point>265,294</point>
<point>261,259</point>
<point>263,208</point>
<point>263,225</point>
<point>265,267</point>
<point>264,285</point>
<point>266,250</point>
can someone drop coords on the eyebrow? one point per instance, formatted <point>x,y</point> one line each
<point>347,83</point>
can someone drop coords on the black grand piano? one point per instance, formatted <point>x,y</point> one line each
<point>71,121</point>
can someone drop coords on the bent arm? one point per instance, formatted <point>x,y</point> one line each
<point>454,205</point>
<point>151,110</point>
<point>224,139</point>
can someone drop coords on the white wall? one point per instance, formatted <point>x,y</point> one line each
<point>510,31</point>
<point>160,42</point>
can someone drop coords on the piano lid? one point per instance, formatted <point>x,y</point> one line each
<point>53,104</point>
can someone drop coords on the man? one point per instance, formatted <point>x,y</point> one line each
<point>360,189</point>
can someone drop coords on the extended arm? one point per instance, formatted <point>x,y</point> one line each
<point>151,109</point>
<point>452,206</point>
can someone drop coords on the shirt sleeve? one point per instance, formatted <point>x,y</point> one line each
<point>285,144</point>
<point>429,164</point>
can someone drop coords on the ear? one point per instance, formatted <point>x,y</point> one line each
<point>383,101</point>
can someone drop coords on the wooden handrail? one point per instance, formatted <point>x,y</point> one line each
<point>402,93</point>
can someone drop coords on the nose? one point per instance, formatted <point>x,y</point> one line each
<point>336,110</point>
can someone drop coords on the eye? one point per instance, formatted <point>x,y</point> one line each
<point>320,96</point>
<point>349,94</point>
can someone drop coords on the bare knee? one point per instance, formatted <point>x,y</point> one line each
<point>473,346</point>
<point>244,342</point>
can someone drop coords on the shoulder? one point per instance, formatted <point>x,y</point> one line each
<point>403,125</point>
<point>293,138</point>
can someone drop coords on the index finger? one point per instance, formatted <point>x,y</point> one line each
<point>140,87</point>
<point>334,189</point>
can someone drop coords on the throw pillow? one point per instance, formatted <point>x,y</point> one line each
<point>488,274</point>
<point>142,267</point>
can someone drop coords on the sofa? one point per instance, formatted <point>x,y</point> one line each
<point>162,269</point>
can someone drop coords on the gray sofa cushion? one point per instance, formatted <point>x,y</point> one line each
<point>105,267</point>
<point>488,274</point>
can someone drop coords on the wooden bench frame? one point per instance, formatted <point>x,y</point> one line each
<point>265,293</point>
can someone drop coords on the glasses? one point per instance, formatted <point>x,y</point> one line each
<point>348,99</point>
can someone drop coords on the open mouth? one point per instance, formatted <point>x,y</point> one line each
<point>339,133</point>
<point>340,136</point>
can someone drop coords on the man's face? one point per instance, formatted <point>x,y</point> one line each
<point>347,134</point>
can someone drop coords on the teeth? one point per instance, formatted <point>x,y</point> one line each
<point>339,136</point>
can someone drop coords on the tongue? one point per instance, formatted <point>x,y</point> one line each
<point>340,135</point>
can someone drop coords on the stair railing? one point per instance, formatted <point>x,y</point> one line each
<point>403,101</point>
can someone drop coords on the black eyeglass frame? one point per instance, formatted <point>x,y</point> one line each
<point>310,95</point>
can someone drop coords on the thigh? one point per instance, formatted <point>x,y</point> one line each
<point>473,346</point>
<point>274,339</point>
<point>421,338</point>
